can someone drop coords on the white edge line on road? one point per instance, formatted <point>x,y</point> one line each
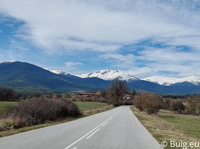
<point>92,133</point>
<point>88,133</point>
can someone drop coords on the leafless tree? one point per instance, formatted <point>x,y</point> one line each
<point>117,91</point>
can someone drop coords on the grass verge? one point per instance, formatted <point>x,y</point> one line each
<point>167,126</point>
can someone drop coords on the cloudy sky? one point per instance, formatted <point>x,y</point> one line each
<point>140,37</point>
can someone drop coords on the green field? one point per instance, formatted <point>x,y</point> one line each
<point>5,104</point>
<point>85,106</point>
<point>189,124</point>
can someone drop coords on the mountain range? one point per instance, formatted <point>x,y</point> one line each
<point>28,78</point>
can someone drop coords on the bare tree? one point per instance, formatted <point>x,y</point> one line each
<point>117,91</point>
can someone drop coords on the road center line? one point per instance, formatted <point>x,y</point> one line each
<point>92,133</point>
<point>105,124</point>
<point>88,133</point>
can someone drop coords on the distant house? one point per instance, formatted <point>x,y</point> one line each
<point>89,94</point>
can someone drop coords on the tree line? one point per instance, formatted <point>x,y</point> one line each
<point>8,94</point>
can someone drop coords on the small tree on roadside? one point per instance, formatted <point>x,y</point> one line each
<point>117,90</point>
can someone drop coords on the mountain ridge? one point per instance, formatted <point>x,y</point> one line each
<point>23,76</point>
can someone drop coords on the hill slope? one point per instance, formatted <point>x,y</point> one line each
<point>27,77</point>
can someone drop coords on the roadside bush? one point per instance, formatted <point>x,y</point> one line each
<point>192,106</point>
<point>178,106</point>
<point>166,105</point>
<point>151,103</point>
<point>39,110</point>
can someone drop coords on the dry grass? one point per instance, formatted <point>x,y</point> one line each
<point>161,129</point>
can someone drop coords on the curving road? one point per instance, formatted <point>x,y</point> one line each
<point>114,129</point>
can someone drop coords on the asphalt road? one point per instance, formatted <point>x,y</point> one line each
<point>114,129</point>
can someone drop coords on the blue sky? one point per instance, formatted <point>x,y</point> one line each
<point>140,37</point>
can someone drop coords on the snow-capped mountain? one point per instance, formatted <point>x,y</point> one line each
<point>192,79</point>
<point>57,71</point>
<point>162,80</point>
<point>7,62</point>
<point>109,75</point>
<point>167,81</point>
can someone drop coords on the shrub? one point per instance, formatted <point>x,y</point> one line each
<point>192,105</point>
<point>39,110</point>
<point>148,102</point>
<point>178,106</point>
<point>166,105</point>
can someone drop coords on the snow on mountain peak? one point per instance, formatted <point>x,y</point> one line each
<point>192,79</point>
<point>57,71</point>
<point>162,80</point>
<point>167,81</point>
<point>109,75</point>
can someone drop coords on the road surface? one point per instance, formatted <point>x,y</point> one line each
<point>114,129</point>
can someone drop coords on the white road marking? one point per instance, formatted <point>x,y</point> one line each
<point>92,133</point>
<point>89,132</point>
<point>75,148</point>
<point>105,124</point>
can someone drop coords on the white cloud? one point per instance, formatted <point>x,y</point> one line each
<point>22,48</point>
<point>70,65</point>
<point>151,61</point>
<point>79,25</point>
<point>106,26</point>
